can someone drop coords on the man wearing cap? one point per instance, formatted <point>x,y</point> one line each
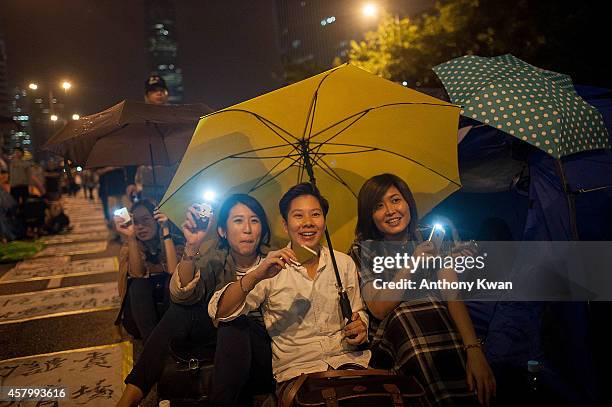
<point>156,93</point>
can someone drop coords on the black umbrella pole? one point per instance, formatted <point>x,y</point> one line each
<point>345,304</point>
<point>152,164</point>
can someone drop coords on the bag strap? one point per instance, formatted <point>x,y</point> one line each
<point>350,373</point>
<point>396,394</point>
<point>289,395</point>
<point>330,397</point>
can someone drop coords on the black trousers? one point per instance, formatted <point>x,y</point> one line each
<point>141,301</point>
<point>179,322</point>
<point>20,193</point>
<point>243,363</point>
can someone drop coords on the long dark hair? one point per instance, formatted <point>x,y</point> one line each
<point>251,203</point>
<point>149,206</point>
<point>370,194</point>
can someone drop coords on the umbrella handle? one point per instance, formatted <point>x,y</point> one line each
<point>345,304</point>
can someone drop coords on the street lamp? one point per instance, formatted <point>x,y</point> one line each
<point>33,86</point>
<point>66,85</point>
<point>370,10</point>
<point>53,118</point>
<point>75,117</point>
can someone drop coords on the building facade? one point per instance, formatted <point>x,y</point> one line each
<point>162,47</point>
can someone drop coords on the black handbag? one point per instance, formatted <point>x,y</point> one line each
<point>187,375</point>
<point>358,388</point>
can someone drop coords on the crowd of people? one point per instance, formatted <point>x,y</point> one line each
<point>30,193</point>
<point>268,317</point>
<point>273,319</point>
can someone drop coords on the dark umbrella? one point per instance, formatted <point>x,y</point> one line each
<point>129,133</point>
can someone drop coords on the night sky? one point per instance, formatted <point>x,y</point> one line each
<point>227,49</point>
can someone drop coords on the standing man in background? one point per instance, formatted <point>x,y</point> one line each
<point>156,93</point>
<point>19,176</point>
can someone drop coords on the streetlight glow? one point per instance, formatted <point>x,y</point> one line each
<point>33,86</point>
<point>75,117</point>
<point>53,118</point>
<point>66,85</point>
<point>370,10</point>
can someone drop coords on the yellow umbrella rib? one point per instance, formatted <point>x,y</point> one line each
<point>371,149</point>
<point>266,122</point>
<point>258,185</point>
<point>313,102</point>
<point>363,113</point>
<point>330,171</point>
<point>237,155</point>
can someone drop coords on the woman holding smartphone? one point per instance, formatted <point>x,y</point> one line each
<point>147,258</point>
<point>243,347</point>
<point>429,337</point>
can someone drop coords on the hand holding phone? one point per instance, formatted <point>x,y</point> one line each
<point>123,217</point>
<point>303,254</point>
<point>203,214</point>
<point>123,223</point>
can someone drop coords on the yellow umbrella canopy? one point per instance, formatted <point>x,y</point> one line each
<point>347,123</point>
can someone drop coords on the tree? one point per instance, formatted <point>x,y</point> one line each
<point>544,32</point>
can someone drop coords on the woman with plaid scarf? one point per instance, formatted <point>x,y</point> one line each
<point>429,337</point>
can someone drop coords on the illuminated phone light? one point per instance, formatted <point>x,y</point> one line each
<point>117,212</point>
<point>209,195</point>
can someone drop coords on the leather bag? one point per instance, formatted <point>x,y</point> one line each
<point>348,388</point>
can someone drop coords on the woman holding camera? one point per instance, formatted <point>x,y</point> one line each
<point>427,336</point>
<point>243,347</point>
<point>147,258</point>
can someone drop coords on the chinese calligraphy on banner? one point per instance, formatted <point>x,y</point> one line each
<point>58,301</point>
<point>71,249</point>
<point>73,268</point>
<point>91,376</point>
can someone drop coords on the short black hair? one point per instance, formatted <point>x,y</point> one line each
<point>305,188</point>
<point>251,203</point>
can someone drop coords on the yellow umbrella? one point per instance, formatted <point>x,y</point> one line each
<point>345,123</point>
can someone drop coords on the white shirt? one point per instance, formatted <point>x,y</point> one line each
<point>303,316</point>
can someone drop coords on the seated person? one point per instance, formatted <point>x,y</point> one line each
<point>56,220</point>
<point>242,231</point>
<point>147,258</point>
<point>430,338</point>
<point>300,303</point>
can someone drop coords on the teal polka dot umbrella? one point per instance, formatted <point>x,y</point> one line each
<point>537,106</point>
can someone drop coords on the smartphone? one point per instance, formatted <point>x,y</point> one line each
<point>204,213</point>
<point>437,235</point>
<point>304,254</point>
<point>124,214</point>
